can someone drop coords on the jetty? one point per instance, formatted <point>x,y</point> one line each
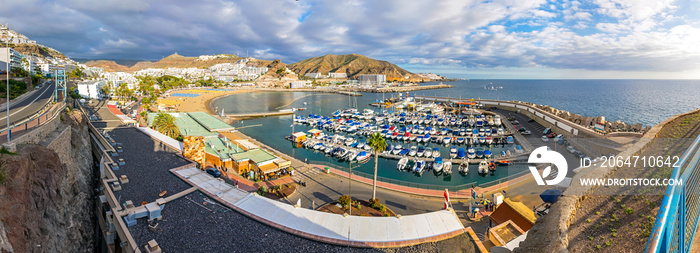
<point>258,114</point>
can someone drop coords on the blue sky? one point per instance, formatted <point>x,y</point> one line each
<point>469,39</point>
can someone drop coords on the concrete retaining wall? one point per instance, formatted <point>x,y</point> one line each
<point>38,134</point>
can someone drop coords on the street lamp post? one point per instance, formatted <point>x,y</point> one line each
<point>7,77</point>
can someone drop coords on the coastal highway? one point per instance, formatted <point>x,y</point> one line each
<point>29,106</point>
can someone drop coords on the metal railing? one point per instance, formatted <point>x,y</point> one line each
<point>40,118</point>
<point>677,220</point>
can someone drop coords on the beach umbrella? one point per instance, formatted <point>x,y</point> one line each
<point>484,202</point>
<point>550,196</point>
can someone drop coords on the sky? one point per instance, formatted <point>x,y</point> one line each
<point>497,39</point>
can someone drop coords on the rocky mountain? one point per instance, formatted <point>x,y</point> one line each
<point>38,50</point>
<point>111,66</point>
<point>353,65</point>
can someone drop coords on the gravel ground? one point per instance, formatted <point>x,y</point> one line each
<point>147,167</point>
<point>619,219</point>
<point>194,223</point>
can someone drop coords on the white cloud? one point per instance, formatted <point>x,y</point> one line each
<point>642,36</point>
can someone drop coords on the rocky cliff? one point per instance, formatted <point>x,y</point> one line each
<point>46,203</point>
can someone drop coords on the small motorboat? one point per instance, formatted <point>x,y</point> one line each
<point>428,152</point>
<point>363,157</point>
<point>464,167</point>
<point>460,153</point>
<point>420,165</point>
<point>437,165</point>
<point>487,153</point>
<point>471,153</point>
<point>453,152</point>
<point>483,167</point>
<point>436,152</point>
<point>420,152</point>
<point>413,151</point>
<point>447,168</point>
<point>402,164</point>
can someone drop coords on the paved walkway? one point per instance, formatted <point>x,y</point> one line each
<point>356,231</point>
<point>461,194</point>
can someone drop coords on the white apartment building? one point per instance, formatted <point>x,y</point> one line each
<point>313,75</point>
<point>338,75</point>
<point>14,58</point>
<point>47,68</point>
<point>372,79</point>
<point>91,89</point>
<point>299,84</point>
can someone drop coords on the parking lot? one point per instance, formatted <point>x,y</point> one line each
<point>535,138</point>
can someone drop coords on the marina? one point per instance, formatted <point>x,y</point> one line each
<point>323,142</point>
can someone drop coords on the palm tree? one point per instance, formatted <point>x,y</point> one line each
<point>378,144</point>
<point>165,124</point>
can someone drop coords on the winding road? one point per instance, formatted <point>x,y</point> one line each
<point>29,106</point>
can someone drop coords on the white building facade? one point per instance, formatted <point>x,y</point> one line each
<point>372,79</point>
<point>338,75</point>
<point>91,89</point>
<point>14,58</point>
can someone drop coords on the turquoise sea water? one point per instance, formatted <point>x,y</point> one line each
<point>633,101</point>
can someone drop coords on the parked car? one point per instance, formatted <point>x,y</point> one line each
<point>531,120</point>
<point>526,132</point>
<point>522,129</point>
<point>580,154</point>
<point>545,139</point>
<point>547,131</point>
<point>515,122</point>
<point>571,149</point>
<point>551,135</point>
<point>213,172</point>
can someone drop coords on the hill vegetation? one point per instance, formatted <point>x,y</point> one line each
<point>38,50</point>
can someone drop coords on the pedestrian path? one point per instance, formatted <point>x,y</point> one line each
<point>355,231</point>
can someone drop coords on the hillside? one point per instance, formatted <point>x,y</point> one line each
<point>38,50</point>
<point>353,65</point>
<point>172,61</point>
<point>110,66</point>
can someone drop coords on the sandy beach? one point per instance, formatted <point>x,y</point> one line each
<point>199,103</point>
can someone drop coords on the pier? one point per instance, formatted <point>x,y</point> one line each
<point>258,114</point>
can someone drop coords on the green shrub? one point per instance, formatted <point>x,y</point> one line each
<point>374,203</point>
<point>262,190</point>
<point>344,201</point>
<point>382,208</point>
<point>3,176</point>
